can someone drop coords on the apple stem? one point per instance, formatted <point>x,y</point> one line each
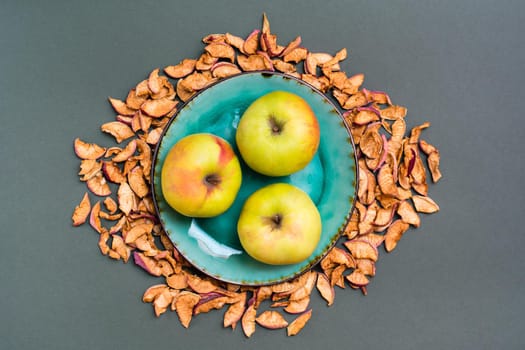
<point>275,125</point>
<point>277,219</point>
<point>212,180</point>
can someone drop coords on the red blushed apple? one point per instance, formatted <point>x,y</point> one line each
<point>279,224</point>
<point>201,176</point>
<point>278,134</point>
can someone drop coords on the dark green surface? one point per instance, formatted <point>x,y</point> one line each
<point>455,283</point>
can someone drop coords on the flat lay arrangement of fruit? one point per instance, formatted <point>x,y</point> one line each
<point>248,178</point>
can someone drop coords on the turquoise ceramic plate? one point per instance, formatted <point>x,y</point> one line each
<point>212,245</point>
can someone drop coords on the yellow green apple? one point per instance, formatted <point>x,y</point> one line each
<point>201,175</point>
<point>278,134</point>
<point>279,224</point>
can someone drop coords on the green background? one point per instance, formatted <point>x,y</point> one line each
<point>457,282</point>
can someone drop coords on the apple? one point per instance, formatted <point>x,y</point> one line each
<point>279,224</point>
<point>278,134</point>
<point>201,175</point>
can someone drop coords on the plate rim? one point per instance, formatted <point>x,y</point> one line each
<point>335,238</point>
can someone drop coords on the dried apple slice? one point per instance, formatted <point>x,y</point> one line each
<point>373,238</point>
<point>292,45</point>
<point>325,288</point>
<point>205,62</point>
<point>267,60</point>
<point>284,67</point>
<point>123,250</point>
<point>296,55</point>
<point>363,182</point>
<point>357,100</point>
<point>159,107</point>
<point>407,213</point>
<point>386,181</point>
<point>393,112</point>
<point>297,306</point>
<point>118,130</point>
<point>353,83</point>
<point>110,217</point>
<point>365,115</point>
<point>306,284</point>
<point>268,42</point>
<point>416,132</point>
<point>384,216</point>
<point>337,256</point>
<point>366,266</point>
<point>234,312</point>
<point>137,183</point>
<point>184,68</point>
<point>221,50</point>
<point>82,210</point>
<point>89,168</point>
<point>85,150</point>
<point>310,64</point>
<point>103,242</point>
<point>145,244</point>
<point>424,204</point>
<point>149,264</point>
<point>142,89</point>
<point>121,107</point>
<point>152,292</point>
<point>198,81</point>
<point>298,324</point>
<point>271,319</point>
<point>358,278</point>
<point>166,91</point>
<point>317,82</point>
<point>98,185</point>
<point>200,285</point>
<point>135,232</point>
<point>153,136</point>
<point>118,226</point>
<point>126,198</point>
<point>433,159</point>
<point>248,320</point>
<point>366,223</point>
<point>337,277</point>
<point>94,218</point>
<point>125,153</point>
<point>394,234</point>
<point>110,205</point>
<point>210,302</point>
<point>371,143</point>
<point>260,294</point>
<point>339,81</point>
<point>163,301</point>
<point>177,281</point>
<point>234,41</point>
<point>214,38</point>
<point>251,63</point>
<point>184,304</point>
<point>362,249</point>
<point>154,81</point>
<point>251,43</point>
<point>112,172</point>
<point>339,56</point>
<point>224,69</point>
<point>184,91</point>
<point>134,101</point>
<point>380,97</point>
